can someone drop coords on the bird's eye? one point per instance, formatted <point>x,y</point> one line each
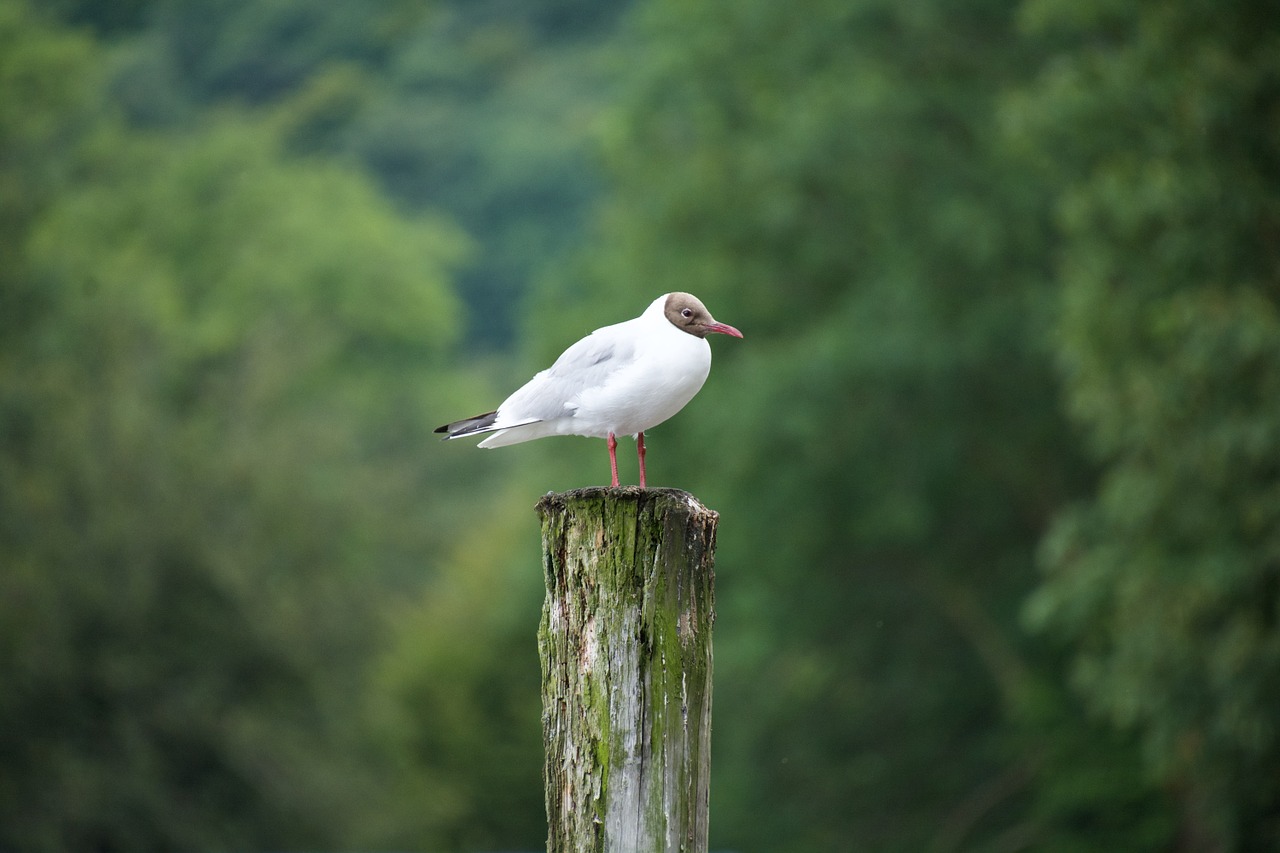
<point>687,313</point>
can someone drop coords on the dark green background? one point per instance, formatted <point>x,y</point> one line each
<point>998,461</point>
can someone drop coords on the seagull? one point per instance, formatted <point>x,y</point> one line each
<point>619,380</point>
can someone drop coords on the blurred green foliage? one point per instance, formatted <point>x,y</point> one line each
<point>1166,581</point>
<point>998,462</point>
<point>849,200</point>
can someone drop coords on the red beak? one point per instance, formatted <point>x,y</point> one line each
<point>723,329</point>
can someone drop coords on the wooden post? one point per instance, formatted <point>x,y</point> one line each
<point>625,642</point>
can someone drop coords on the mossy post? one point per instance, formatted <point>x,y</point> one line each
<point>625,642</point>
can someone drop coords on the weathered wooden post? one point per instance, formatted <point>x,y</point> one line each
<point>625,642</point>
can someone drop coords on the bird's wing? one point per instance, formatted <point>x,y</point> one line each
<point>555,392</point>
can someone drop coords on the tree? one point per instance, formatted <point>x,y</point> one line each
<point>482,110</point>
<point>1165,581</point>
<point>458,691</point>
<point>49,87</point>
<point>222,356</point>
<point>886,447</point>
<point>206,488</point>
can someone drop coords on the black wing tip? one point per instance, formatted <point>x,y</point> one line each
<point>466,426</point>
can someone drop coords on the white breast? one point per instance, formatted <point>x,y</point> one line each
<point>669,367</point>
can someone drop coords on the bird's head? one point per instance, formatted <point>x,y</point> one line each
<point>687,313</point>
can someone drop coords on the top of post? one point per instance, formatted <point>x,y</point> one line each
<point>660,499</point>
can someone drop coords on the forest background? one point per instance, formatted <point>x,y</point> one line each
<point>998,461</point>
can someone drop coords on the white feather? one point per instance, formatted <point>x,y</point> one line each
<point>621,379</point>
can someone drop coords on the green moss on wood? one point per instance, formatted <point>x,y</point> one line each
<point>626,646</point>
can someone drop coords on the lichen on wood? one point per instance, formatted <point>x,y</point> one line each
<point>625,643</point>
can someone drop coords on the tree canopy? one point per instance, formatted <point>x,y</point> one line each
<point>998,461</point>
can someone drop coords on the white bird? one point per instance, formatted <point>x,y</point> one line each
<point>619,380</point>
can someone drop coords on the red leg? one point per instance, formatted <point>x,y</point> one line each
<point>613,459</point>
<point>640,453</point>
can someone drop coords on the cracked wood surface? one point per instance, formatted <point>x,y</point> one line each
<point>625,643</point>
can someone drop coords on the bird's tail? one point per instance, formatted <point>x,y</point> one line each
<point>469,426</point>
<point>488,422</point>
